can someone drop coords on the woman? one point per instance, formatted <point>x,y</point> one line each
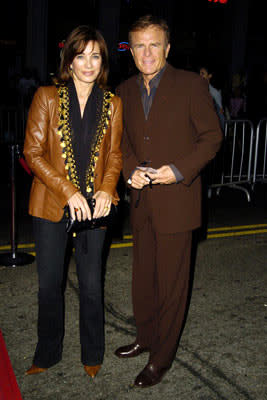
<point>72,145</point>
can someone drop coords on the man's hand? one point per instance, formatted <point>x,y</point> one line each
<point>139,179</point>
<point>164,176</point>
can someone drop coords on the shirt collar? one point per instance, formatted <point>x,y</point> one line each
<point>154,82</point>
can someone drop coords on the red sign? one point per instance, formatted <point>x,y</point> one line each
<point>123,46</point>
<point>218,1</point>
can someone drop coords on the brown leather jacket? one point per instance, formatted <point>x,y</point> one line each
<point>43,150</point>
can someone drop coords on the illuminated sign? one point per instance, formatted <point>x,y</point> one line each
<point>218,1</point>
<point>123,46</point>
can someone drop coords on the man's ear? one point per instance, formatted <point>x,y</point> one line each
<point>167,50</point>
<point>131,51</point>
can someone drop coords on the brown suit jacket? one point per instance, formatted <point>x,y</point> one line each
<point>51,189</point>
<point>183,129</point>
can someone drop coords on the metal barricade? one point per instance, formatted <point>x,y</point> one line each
<point>260,167</point>
<point>232,165</point>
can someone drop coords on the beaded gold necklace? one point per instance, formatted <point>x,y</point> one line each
<point>64,131</point>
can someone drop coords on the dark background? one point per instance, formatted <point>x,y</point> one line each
<point>232,37</point>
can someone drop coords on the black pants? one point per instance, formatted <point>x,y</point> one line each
<point>51,242</point>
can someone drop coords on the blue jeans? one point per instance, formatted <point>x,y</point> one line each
<point>51,244</point>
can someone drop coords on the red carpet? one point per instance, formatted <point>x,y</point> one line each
<point>9,389</point>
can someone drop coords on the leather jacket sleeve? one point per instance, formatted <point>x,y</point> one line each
<point>42,148</point>
<point>113,155</point>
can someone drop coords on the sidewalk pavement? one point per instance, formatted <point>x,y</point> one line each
<point>222,353</point>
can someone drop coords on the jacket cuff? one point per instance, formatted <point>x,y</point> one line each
<point>129,180</point>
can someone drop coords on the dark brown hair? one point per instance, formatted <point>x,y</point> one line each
<point>147,21</point>
<point>75,44</point>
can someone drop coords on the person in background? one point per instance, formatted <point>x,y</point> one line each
<point>205,73</point>
<point>72,146</point>
<point>171,131</point>
<point>26,88</point>
<point>237,104</point>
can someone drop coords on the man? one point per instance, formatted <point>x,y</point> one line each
<point>205,73</point>
<point>171,131</point>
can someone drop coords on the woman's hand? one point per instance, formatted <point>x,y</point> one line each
<point>103,204</point>
<point>79,208</point>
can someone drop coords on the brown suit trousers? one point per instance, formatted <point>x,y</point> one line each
<point>161,270</point>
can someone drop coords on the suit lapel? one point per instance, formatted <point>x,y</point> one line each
<point>138,106</point>
<point>162,94</point>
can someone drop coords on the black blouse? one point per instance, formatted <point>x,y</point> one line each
<point>83,129</point>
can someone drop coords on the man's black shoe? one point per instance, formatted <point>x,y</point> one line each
<point>151,375</point>
<point>131,350</point>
